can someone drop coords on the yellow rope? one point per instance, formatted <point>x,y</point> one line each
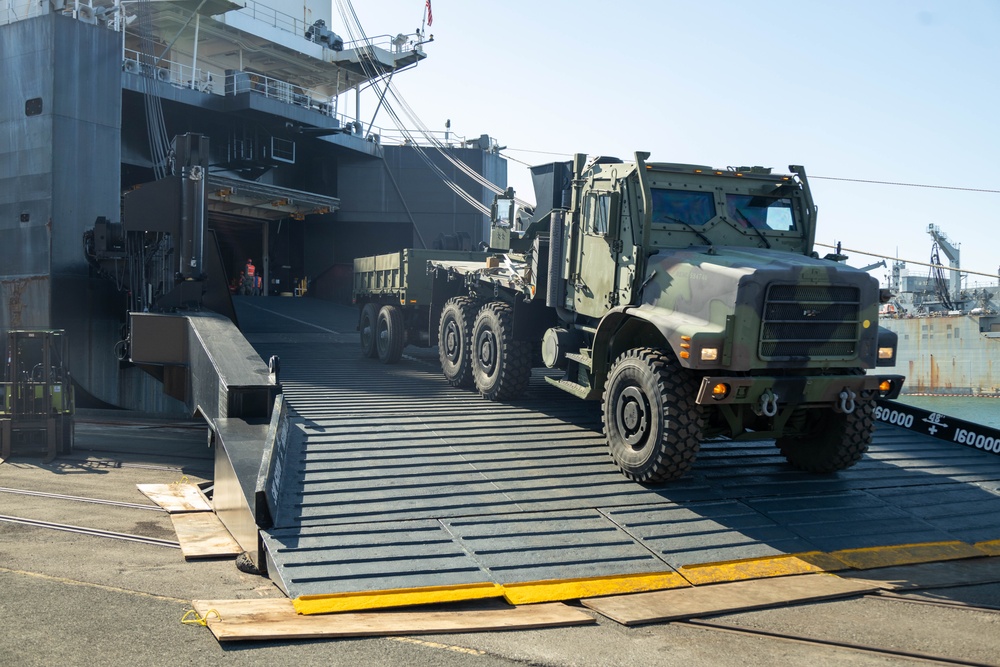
<point>192,617</point>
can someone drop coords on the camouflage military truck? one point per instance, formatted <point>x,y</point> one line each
<point>687,299</point>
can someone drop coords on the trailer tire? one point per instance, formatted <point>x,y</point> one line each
<point>390,336</point>
<point>455,340</point>
<point>367,325</point>
<point>501,366</point>
<point>835,440</point>
<point>651,422</point>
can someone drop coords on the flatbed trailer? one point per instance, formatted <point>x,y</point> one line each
<point>394,293</point>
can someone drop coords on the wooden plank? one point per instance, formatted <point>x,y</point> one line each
<point>933,575</point>
<point>176,497</point>
<point>683,603</point>
<point>270,619</point>
<point>202,535</point>
<point>243,610</point>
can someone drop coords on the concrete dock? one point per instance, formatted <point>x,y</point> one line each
<point>73,595</point>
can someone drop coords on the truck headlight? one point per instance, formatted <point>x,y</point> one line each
<point>888,341</point>
<point>709,354</point>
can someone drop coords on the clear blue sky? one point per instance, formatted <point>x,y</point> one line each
<point>893,90</point>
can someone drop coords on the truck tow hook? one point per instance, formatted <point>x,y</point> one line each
<point>768,405</point>
<point>847,404</point>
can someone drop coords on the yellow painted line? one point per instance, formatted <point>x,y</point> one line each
<point>906,554</point>
<point>760,568</point>
<point>555,590</point>
<point>90,584</point>
<point>443,647</point>
<point>990,548</point>
<point>398,597</point>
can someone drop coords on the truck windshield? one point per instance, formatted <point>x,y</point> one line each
<point>761,212</point>
<point>504,209</point>
<point>692,208</point>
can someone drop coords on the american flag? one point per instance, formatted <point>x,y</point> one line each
<point>430,14</point>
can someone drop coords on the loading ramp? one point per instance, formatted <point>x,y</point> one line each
<point>392,479</point>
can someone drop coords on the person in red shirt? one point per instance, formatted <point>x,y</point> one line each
<point>250,280</point>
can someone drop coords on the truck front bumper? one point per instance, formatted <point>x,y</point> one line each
<point>809,390</point>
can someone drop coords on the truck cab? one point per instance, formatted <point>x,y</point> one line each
<point>705,279</point>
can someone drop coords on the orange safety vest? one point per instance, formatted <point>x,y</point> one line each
<point>250,269</point>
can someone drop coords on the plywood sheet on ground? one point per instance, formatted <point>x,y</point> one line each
<point>176,497</point>
<point>236,620</point>
<point>202,535</point>
<point>683,603</point>
<point>933,575</point>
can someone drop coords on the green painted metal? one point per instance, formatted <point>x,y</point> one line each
<point>402,277</point>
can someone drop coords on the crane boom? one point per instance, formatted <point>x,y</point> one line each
<point>953,253</point>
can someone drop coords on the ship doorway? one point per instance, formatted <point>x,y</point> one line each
<point>276,247</point>
<point>239,239</point>
<point>265,223</point>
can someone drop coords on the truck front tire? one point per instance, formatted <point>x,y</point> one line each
<point>501,366</point>
<point>455,340</point>
<point>367,326</point>
<point>390,338</point>
<point>835,441</point>
<point>651,422</point>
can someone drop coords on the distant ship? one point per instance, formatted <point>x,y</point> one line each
<point>949,336</point>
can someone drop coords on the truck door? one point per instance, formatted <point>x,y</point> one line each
<point>598,276</point>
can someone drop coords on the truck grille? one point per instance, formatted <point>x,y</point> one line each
<point>814,321</point>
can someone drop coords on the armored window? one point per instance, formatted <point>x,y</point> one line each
<point>682,206</point>
<point>597,213</point>
<point>761,212</point>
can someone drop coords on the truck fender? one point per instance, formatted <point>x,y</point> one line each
<point>627,327</point>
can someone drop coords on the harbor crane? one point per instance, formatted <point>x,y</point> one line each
<point>953,254</point>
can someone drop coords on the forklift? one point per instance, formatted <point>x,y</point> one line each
<point>36,413</point>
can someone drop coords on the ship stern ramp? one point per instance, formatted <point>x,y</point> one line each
<point>203,359</point>
<point>392,487</point>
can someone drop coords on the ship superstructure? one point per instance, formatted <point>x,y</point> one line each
<point>298,178</point>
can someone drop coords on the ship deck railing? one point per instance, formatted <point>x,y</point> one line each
<point>295,26</point>
<point>218,82</point>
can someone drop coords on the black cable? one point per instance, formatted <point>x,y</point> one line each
<point>908,185</point>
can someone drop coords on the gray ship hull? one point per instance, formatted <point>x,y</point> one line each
<point>948,354</point>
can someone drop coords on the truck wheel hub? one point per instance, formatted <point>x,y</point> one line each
<point>487,351</point>
<point>451,338</point>
<point>632,416</point>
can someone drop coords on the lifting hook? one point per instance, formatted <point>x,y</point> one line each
<point>847,403</point>
<point>768,404</point>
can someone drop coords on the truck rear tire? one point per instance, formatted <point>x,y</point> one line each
<point>651,422</point>
<point>835,441</point>
<point>501,366</point>
<point>367,326</point>
<point>390,337</point>
<point>455,340</point>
